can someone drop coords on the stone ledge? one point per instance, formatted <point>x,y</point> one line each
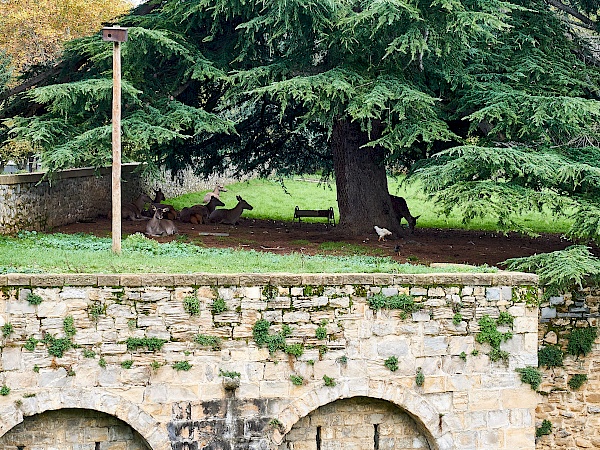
<point>275,279</point>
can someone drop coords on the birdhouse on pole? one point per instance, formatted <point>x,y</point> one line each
<point>114,34</point>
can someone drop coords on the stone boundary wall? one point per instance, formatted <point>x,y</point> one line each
<point>75,349</point>
<point>574,413</point>
<point>27,202</point>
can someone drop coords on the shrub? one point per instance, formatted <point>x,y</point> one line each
<point>321,332</point>
<point>127,364</point>
<point>329,381</point>
<point>505,318</point>
<point>531,376</point>
<point>550,356</point>
<point>34,299</point>
<point>391,363</point>
<point>581,341</point>
<point>577,380</point>
<point>297,380</point>
<point>191,305</point>
<point>545,429</point>
<point>7,329</point>
<point>294,349</point>
<point>30,343</point>
<point>457,319</point>
<point>213,342</point>
<point>57,347</point>
<point>152,344</point>
<point>4,390</point>
<point>182,365</point>
<point>274,342</point>
<point>420,377</point>
<point>102,362</point>
<point>69,326</point>
<point>488,333</point>
<point>88,353</point>
<point>219,306</point>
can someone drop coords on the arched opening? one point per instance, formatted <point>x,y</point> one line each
<point>357,423</point>
<point>72,429</point>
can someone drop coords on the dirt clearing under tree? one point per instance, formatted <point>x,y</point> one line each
<point>425,246</point>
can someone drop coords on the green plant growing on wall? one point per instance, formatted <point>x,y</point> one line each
<point>132,324</point>
<point>102,362</point>
<point>214,342</point>
<point>262,337</point>
<point>4,390</point>
<point>360,290</point>
<point>308,291</point>
<point>182,365</point>
<point>391,363</point>
<point>95,310</point>
<point>420,377</point>
<point>191,305</point>
<point>505,318</point>
<point>488,333</point>
<point>127,364</point>
<point>155,365</point>
<point>30,343</point>
<point>577,380</point>
<point>321,331</point>
<point>531,376</point>
<point>219,306</point>
<point>403,302</point>
<point>36,368</point>
<point>70,372</point>
<point>69,326</point>
<point>297,380</point>
<point>229,374</point>
<point>457,319</point>
<point>550,356</point>
<point>57,346</point>
<point>294,349</point>
<point>34,299</point>
<point>544,429</point>
<point>581,341</point>
<point>343,360</point>
<point>7,329</point>
<point>463,356</point>
<point>152,344</point>
<point>330,382</point>
<point>88,353</point>
<point>269,292</point>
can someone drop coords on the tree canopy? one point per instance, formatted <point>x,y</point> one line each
<point>494,104</point>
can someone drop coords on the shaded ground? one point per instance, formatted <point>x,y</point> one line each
<point>423,247</point>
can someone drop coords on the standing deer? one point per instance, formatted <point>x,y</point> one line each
<point>215,193</point>
<point>158,226</point>
<point>401,209</point>
<point>230,216</point>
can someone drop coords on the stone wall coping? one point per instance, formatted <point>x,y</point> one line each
<point>502,278</point>
<point>36,177</point>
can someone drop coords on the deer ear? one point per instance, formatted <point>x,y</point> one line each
<point>238,197</point>
<point>416,217</point>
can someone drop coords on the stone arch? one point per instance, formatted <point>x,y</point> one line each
<point>93,399</point>
<point>435,426</point>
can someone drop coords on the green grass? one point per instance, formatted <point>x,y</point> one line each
<point>270,201</point>
<point>60,253</point>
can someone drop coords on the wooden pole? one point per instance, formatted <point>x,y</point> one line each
<point>116,150</point>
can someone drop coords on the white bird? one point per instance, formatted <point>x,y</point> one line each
<point>382,232</point>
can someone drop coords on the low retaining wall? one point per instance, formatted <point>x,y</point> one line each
<point>258,361</point>
<point>29,203</point>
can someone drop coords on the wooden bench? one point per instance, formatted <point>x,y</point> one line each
<point>324,213</point>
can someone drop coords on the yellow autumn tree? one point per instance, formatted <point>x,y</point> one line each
<point>33,31</point>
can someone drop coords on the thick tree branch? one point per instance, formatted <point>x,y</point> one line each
<point>573,12</point>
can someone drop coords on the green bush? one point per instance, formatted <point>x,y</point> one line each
<point>550,356</point>
<point>69,326</point>
<point>297,380</point>
<point>403,302</point>
<point>191,305</point>
<point>7,329</point>
<point>391,363</point>
<point>531,376</point>
<point>214,342</point>
<point>152,344</point>
<point>420,377</point>
<point>34,299</point>
<point>219,306</point>
<point>30,343</point>
<point>274,342</point>
<point>577,380</point>
<point>182,365</point>
<point>4,390</point>
<point>329,381</point>
<point>57,346</point>
<point>581,341</point>
<point>545,429</point>
<point>321,333</point>
<point>294,349</point>
<point>457,319</point>
<point>127,364</point>
<point>229,374</point>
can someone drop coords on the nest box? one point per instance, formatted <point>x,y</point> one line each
<point>114,34</point>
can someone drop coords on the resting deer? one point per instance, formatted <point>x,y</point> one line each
<point>199,213</point>
<point>158,226</point>
<point>133,210</point>
<point>230,216</point>
<point>401,209</point>
<point>158,198</point>
<point>215,193</point>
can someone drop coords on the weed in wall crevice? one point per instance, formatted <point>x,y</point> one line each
<point>182,365</point>
<point>544,429</point>
<point>7,329</point>
<point>531,376</point>
<point>489,333</point>
<point>392,363</point>
<point>297,380</point>
<point>330,382</point>
<point>550,356</point>
<point>581,341</point>
<point>191,305</point>
<point>420,377</point>
<point>219,306</point>
<point>214,342</point>
<point>34,299</point>
<point>577,380</point>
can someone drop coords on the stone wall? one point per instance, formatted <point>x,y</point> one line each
<point>574,413</point>
<point>183,361</point>
<point>27,202</point>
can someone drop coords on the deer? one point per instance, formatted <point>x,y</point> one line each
<point>133,210</point>
<point>230,216</point>
<point>215,193</point>
<point>401,209</point>
<point>199,213</point>
<point>158,226</point>
<point>158,198</point>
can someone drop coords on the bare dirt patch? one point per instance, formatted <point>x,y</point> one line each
<point>425,246</point>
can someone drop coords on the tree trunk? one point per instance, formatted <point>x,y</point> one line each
<point>361,181</point>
